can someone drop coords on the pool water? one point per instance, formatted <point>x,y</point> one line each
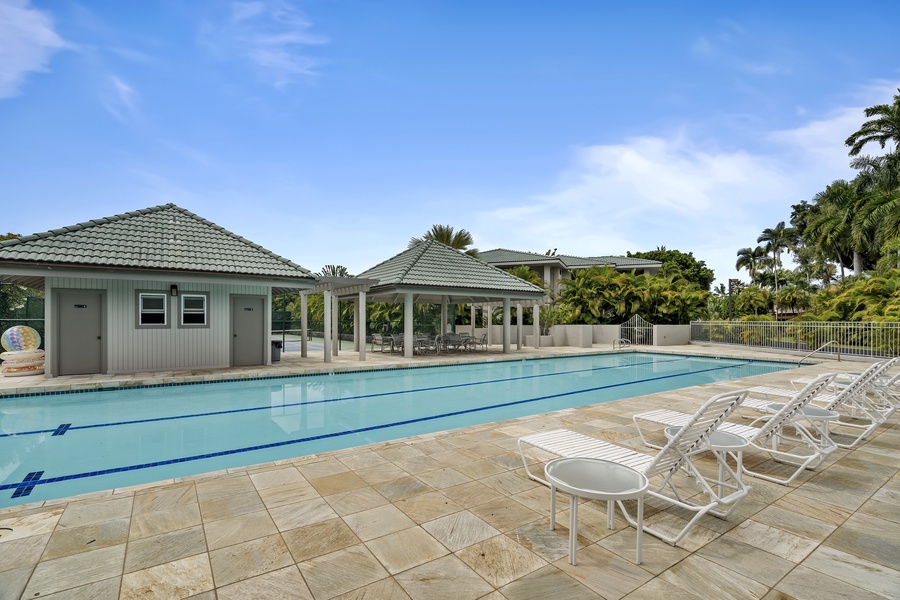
<point>52,446</point>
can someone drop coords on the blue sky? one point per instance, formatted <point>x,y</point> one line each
<point>332,131</point>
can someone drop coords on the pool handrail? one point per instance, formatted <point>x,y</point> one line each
<point>822,347</point>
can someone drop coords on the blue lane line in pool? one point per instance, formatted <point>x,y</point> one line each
<point>343,399</point>
<point>37,481</point>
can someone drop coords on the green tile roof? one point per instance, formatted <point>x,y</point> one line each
<point>502,256</point>
<point>431,264</point>
<point>166,237</point>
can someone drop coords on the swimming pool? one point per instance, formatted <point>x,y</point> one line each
<point>58,445</point>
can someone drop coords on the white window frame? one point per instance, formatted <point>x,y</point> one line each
<point>183,296</point>
<point>141,311</point>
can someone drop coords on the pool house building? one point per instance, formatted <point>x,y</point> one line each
<point>157,289</point>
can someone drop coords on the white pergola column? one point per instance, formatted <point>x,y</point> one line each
<point>507,314</point>
<point>304,325</point>
<point>487,313</point>
<point>518,326</point>
<point>537,325</point>
<point>408,325</point>
<point>361,325</point>
<point>326,325</point>
<point>336,334</point>
<point>356,325</point>
<point>444,311</point>
<point>472,318</point>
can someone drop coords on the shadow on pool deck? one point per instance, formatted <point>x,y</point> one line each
<point>450,515</point>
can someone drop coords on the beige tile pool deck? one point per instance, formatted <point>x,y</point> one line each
<point>451,515</point>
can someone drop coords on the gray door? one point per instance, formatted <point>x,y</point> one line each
<point>79,344</point>
<point>248,329</point>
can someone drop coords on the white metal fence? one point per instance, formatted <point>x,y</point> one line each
<point>876,339</point>
<point>637,330</point>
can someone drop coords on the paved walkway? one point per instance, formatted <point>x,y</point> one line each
<point>450,515</point>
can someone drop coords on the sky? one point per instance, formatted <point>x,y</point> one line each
<point>333,131</point>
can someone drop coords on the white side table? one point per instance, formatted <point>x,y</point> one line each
<point>818,417</point>
<point>599,480</point>
<point>721,443</point>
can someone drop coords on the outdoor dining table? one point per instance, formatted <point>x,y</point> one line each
<point>451,342</point>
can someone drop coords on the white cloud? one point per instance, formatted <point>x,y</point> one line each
<point>271,35</point>
<point>764,69</point>
<point>132,55</point>
<point>27,41</point>
<point>680,192</point>
<point>120,99</point>
<point>744,51</point>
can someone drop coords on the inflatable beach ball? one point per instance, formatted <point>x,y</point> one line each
<point>19,338</point>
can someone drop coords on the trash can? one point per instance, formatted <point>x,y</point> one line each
<point>276,350</point>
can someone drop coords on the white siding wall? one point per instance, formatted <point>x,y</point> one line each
<point>129,349</point>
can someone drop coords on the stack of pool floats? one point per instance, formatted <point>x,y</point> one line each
<point>23,355</point>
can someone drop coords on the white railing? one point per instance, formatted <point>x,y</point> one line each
<point>621,343</point>
<point>875,339</point>
<point>821,348</point>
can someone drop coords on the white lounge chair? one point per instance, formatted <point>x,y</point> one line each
<point>806,451</point>
<point>885,390</point>
<point>664,469</point>
<point>858,414</point>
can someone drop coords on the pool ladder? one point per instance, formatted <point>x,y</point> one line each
<point>621,343</point>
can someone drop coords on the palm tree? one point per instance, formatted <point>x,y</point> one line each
<point>458,240</point>
<point>526,273</point>
<point>751,259</point>
<point>836,225</point>
<point>792,297</point>
<point>334,271</point>
<point>883,128</point>
<point>878,182</point>
<point>752,298</point>
<point>777,238</point>
<point>581,296</point>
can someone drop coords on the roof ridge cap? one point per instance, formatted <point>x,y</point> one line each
<point>424,245</point>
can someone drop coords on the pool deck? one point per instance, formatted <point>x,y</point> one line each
<point>451,515</point>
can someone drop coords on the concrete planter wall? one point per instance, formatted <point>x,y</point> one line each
<point>605,334</point>
<point>547,341</point>
<point>583,336</point>
<point>671,335</point>
<point>579,336</point>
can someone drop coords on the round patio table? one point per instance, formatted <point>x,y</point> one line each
<point>813,414</point>
<point>596,479</point>
<point>721,443</point>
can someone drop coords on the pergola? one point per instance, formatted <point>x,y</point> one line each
<point>427,273</point>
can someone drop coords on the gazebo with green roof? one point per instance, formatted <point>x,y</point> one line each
<point>432,273</point>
